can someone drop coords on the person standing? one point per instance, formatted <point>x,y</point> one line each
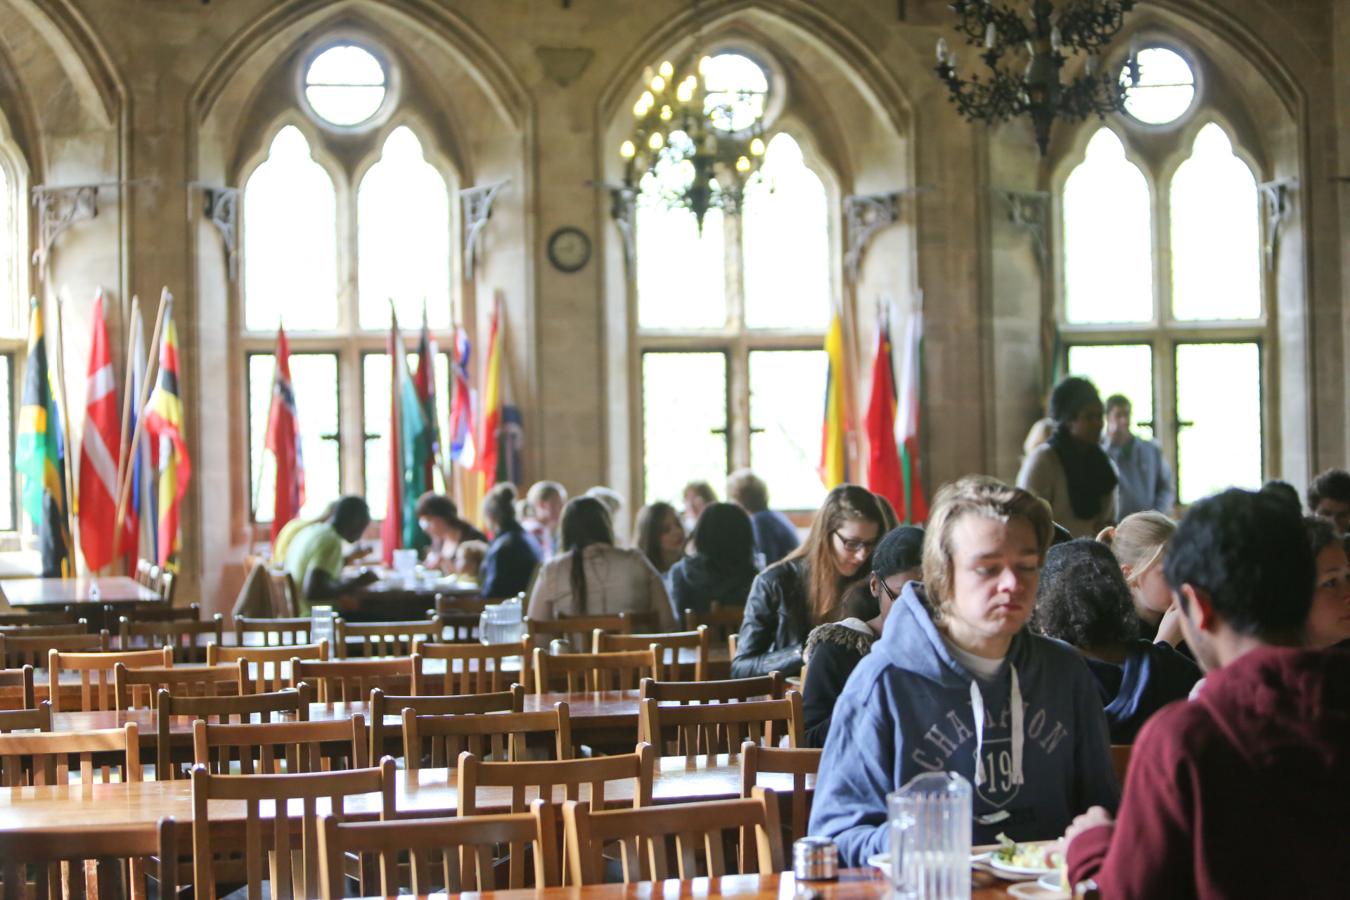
<point>1145,478</point>
<point>775,536</point>
<point>1071,471</point>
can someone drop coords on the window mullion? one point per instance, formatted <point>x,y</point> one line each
<point>738,363</point>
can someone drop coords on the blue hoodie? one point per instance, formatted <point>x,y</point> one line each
<point>908,709</point>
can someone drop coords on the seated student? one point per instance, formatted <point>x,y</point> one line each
<point>592,577</point>
<point>1285,491</point>
<point>659,535</point>
<point>698,495</point>
<point>469,557</point>
<point>614,502</point>
<point>775,535</point>
<point>1329,497</point>
<point>956,683</point>
<point>1329,618</point>
<point>790,598</point>
<point>1139,544</point>
<point>438,516</point>
<point>722,567</point>
<point>513,555</point>
<point>1083,600</point>
<point>833,650</point>
<point>314,556</point>
<point>1239,791</point>
<point>545,500</point>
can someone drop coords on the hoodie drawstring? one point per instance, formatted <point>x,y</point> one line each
<point>1018,738</point>
<point>977,707</point>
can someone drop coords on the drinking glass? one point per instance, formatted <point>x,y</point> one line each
<point>930,829</point>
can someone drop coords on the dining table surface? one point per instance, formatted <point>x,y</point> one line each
<point>37,592</point>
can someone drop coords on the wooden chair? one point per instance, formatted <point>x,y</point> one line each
<point>241,710</point>
<point>460,615</point>
<point>730,690</point>
<point>16,688</point>
<point>97,688</point>
<point>265,668</point>
<point>19,650</point>
<point>147,573</point>
<point>383,638</point>
<point>275,632</point>
<point>183,635</point>
<point>108,846</point>
<point>482,668</point>
<point>67,616</point>
<point>168,587</point>
<point>383,705</point>
<point>38,758</point>
<point>274,748</point>
<point>276,791</point>
<point>800,763</point>
<point>139,688</point>
<point>583,672</point>
<point>284,595</point>
<point>578,629</point>
<point>669,644</point>
<point>720,727</point>
<point>722,621</point>
<point>80,627</point>
<point>39,719</point>
<point>500,736</point>
<point>156,612</point>
<point>642,832</point>
<point>350,680</point>
<point>1120,761</point>
<point>451,855</point>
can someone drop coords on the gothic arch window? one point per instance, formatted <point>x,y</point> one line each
<point>14,271</point>
<point>1162,293</point>
<point>730,322</point>
<point>347,214</point>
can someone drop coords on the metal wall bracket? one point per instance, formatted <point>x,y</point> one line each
<point>1029,211</point>
<point>1277,200</point>
<point>864,216</point>
<point>477,210</point>
<point>623,210</point>
<point>58,209</point>
<point>220,205</point>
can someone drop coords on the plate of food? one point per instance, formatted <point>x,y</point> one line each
<point>882,861</point>
<point>1026,858</point>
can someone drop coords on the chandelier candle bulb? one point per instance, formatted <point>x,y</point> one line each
<point>658,84</point>
<point>757,147</point>
<point>742,164</point>
<point>627,150</point>
<point>990,36</point>
<point>656,140</point>
<point>666,69</point>
<point>942,51</point>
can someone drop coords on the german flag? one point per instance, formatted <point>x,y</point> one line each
<point>39,454</point>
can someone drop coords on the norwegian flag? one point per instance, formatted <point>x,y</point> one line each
<point>283,439</point>
<point>462,401</point>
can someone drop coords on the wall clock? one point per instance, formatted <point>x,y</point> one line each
<point>569,249</point>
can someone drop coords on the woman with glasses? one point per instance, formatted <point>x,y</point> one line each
<point>833,650</point>
<point>807,587</point>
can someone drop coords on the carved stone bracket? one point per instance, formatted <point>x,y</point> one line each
<point>1277,200</point>
<point>1029,211</point>
<point>864,216</point>
<point>477,210</point>
<point>58,209</point>
<point>623,210</point>
<point>220,205</point>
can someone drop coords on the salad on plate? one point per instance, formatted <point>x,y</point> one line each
<point>1027,858</point>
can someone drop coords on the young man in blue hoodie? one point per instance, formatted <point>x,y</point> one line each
<point>957,684</point>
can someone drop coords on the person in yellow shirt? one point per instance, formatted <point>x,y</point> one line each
<point>314,555</point>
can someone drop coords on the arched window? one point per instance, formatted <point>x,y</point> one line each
<point>13,327</point>
<point>1162,293</point>
<point>343,221</point>
<point>730,322</point>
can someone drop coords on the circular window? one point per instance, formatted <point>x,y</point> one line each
<point>345,85</point>
<point>1165,90</point>
<point>738,88</point>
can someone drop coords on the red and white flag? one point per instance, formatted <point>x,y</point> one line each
<point>99,449</point>
<point>283,439</point>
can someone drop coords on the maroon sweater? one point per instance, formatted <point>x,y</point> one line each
<point>1242,792</point>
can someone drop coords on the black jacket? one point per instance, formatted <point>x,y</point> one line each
<point>510,563</point>
<point>777,621</point>
<point>832,652</point>
<point>694,583</point>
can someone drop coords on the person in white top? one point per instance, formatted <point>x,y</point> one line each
<point>592,577</point>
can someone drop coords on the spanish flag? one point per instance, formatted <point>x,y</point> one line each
<point>168,450</point>
<point>39,452</point>
<point>833,445</point>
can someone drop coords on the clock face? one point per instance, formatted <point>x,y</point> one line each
<point>569,249</point>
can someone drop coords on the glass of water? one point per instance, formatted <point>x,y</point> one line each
<point>930,830</point>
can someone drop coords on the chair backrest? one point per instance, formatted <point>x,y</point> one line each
<point>39,719</point>
<point>275,632</point>
<point>721,620</point>
<point>461,616</point>
<point>801,763</point>
<point>241,709</point>
<point>282,587</point>
<point>97,686</point>
<point>383,638</point>
<point>276,790</point>
<point>68,616</point>
<point>450,855</point>
<point>168,587</point>
<point>383,705</point>
<point>500,736</point>
<point>155,612</point>
<point>349,680</point>
<point>583,672</point>
<point>74,844</point>
<point>720,727</point>
<point>760,687</point>
<point>578,629</point>
<point>669,645</point>
<point>45,757</point>
<point>266,668</point>
<point>16,688</point>
<point>183,635</point>
<point>542,776</point>
<point>273,748</point>
<point>697,828</point>
<point>473,668</point>
<point>146,572</point>
<point>80,627</point>
<point>139,688</point>
<point>21,650</point>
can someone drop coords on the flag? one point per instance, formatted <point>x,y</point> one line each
<point>462,449</point>
<point>915,509</point>
<point>883,457</point>
<point>141,517</point>
<point>833,449</point>
<point>283,439</point>
<point>407,453</point>
<point>168,450</point>
<point>424,380</point>
<point>100,449</point>
<point>39,453</point>
<point>502,432</point>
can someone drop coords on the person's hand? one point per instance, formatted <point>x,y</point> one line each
<point>1169,627</point>
<point>366,576</point>
<point>1093,818</point>
<point>358,551</point>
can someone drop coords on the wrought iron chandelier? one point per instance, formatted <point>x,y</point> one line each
<point>698,129</point>
<point>1045,38</point>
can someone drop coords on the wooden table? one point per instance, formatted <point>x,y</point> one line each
<point>391,599</point>
<point>42,592</point>
<point>853,884</point>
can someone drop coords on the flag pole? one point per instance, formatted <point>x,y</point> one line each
<point>123,459</point>
<point>151,373</point>
<point>72,493</point>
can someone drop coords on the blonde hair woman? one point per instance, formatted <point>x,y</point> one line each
<point>1140,545</point>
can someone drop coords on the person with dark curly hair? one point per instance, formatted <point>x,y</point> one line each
<point>1071,471</point>
<point>1329,497</point>
<point>1329,618</point>
<point>1083,600</point>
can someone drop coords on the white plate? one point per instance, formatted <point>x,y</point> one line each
<point>1051,882</point>
<point>1003,868</point>
<point>882,861</point>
